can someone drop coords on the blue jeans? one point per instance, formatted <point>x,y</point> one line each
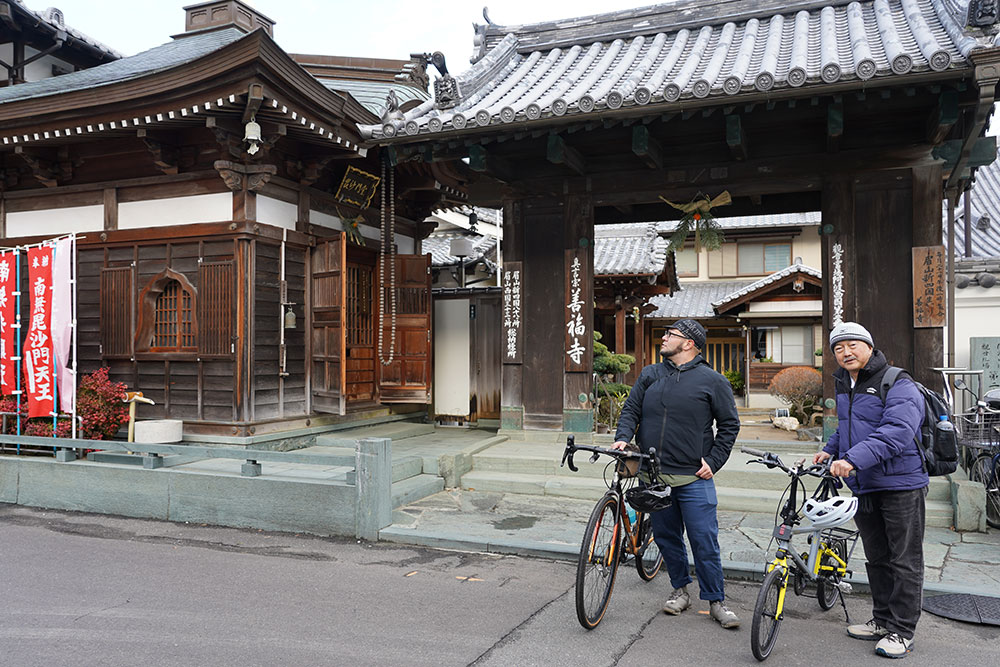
<point>694,508</point>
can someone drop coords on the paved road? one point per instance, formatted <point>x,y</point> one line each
<point>81,590</point>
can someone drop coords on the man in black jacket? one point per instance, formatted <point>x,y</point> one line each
<point>672,407</point>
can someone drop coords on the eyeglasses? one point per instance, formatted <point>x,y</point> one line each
<point>667,336</point>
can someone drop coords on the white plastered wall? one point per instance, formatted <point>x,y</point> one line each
<point>276,212</point>
<point>451,357</point>
<point>216,207</point>
<point>977,314</point>
<point>55,221</point>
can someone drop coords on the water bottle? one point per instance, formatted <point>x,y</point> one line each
<point>944,434</point>
<point>631,513</point>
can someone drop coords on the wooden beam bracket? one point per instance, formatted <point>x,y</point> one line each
<point>646,148</point>
<point>736,137</point>
<point>559,152</point>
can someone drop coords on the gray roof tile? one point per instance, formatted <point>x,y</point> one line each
<point>765,281</point>
<point>809,219</point>
<point>54,18</point>
<point>694,300</point>
<point>162,57</point>
<point>629,249</point>
<point>372,94</point>
<point>641,57</point>
<point>438,244</point>
<point>984,201</point>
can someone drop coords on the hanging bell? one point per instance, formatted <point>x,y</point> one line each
<point>253,135</point>
<point>289,318</point>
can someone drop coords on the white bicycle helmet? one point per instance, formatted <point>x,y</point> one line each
<point>829,513</point>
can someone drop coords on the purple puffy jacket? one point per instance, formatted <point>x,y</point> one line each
<point>878,440</point>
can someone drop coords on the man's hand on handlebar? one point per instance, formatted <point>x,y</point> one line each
<point>621,444</point>
<point>841,468</point>
<point>820,457</point>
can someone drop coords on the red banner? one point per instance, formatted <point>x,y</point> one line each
<point>8,285</point>
<point>38,358</point>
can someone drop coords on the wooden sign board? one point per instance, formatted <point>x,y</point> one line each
<point>579,327</point>
<point>929,287</point>
<point>984,355</point>
<point>513,334</point>
<point>357,187</point>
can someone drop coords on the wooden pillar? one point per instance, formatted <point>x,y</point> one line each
<point>837,227</point>
<point>620,329</point>
<point>110,208</point>
<point>928,343</point>
<point>512,342</point>
<point>303,218</point>
<point>578,315</point>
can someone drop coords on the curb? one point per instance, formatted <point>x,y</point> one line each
<point>734,570</point>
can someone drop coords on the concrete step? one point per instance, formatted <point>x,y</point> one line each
<point>402,468</point>
<point>414,488</point>
<point>392,430</point>
<point>731,498</point>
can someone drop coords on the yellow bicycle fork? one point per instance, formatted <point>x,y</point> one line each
<point>781,563</point>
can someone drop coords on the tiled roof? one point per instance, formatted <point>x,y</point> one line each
<point>765,281</point>
<point>438,244</point>
<point>694,300</point>
<point>691,50</point>
<point>629,249</point>
<point>53,18</point>
<point>984,201</point>
<point>372,94</point>
<point>163,57</point>
<point>810,219</point>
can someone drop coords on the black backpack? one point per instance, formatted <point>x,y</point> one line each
<point>937,443</point>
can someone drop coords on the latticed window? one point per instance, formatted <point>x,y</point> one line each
<point>173,324</point>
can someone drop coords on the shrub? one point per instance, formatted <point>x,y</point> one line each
<point>608,363</point>
<point>98,404</point>
<point>799,386</point>
<point>736,380</point>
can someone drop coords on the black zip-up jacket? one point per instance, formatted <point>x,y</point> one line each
<point>673,408</point>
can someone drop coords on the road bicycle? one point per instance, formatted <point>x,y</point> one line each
<point>613,533</point>
<point>824,565</point>
<point>979,435</point>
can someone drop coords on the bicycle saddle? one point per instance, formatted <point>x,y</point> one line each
<point>832,512</point>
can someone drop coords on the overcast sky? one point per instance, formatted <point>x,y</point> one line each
<point>373,28</point>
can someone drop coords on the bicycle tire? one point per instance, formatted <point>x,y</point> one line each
<point>827,592</point>
<point>596,567</point>
<point>648,560</point>
<point>765,626</point>
<point>984,471</point>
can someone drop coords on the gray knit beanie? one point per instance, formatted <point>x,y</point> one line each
<point>850,331</point>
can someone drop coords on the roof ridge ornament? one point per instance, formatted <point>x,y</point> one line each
<point>982,14</point>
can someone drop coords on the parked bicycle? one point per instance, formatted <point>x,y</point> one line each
<point>979,436</point>
<point>612,535</point>
<point>824,565</point>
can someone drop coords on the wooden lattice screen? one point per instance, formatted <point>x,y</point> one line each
<point>215,308</point>
<point>117,304</point>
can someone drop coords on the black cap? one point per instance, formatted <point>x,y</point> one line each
<point>691,329</point>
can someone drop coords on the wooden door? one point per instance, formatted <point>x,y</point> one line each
<point>407,378</point>
<point>726,354</point>
<point>360,331</point>
<point>486,359</point>
<point>328,331</point>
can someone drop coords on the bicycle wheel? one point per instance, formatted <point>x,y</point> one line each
<point>766,621</point>
<point>827,591</point>
<point>598,563</point>
<point>649,559</point>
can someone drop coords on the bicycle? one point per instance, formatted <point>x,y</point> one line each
<point>979,435</point>
<point>824,565</point>
<point>611,534</point>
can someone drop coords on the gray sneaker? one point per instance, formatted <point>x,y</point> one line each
<point>721,613</point>
<point>894,645</point>
<point>869,631</point>
<point>678,601</point>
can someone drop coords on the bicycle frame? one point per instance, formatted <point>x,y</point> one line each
<point>813,566</point>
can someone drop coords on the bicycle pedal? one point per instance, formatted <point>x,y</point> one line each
<point>845,587</point>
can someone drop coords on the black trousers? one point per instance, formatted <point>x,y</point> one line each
<point>891,524</point>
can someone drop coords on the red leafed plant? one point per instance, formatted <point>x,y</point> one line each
<point>799,386</point>
<point>98,404</point>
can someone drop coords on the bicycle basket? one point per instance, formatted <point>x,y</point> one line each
<point>649,498</point>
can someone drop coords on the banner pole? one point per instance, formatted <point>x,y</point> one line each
<point>17,338</point>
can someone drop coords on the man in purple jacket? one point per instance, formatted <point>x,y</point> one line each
<point>877,440</point>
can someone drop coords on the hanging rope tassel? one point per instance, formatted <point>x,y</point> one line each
<point>388,247</point>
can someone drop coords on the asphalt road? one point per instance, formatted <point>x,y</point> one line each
<point>81,590</point>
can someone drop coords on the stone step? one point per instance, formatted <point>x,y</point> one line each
<point>735,499</point>
<point>402,468</point>
<point>415,488</point>
<point>391,430</point>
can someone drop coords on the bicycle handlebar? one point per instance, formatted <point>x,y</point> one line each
<point>619,454</point>
<point>772,461</point>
